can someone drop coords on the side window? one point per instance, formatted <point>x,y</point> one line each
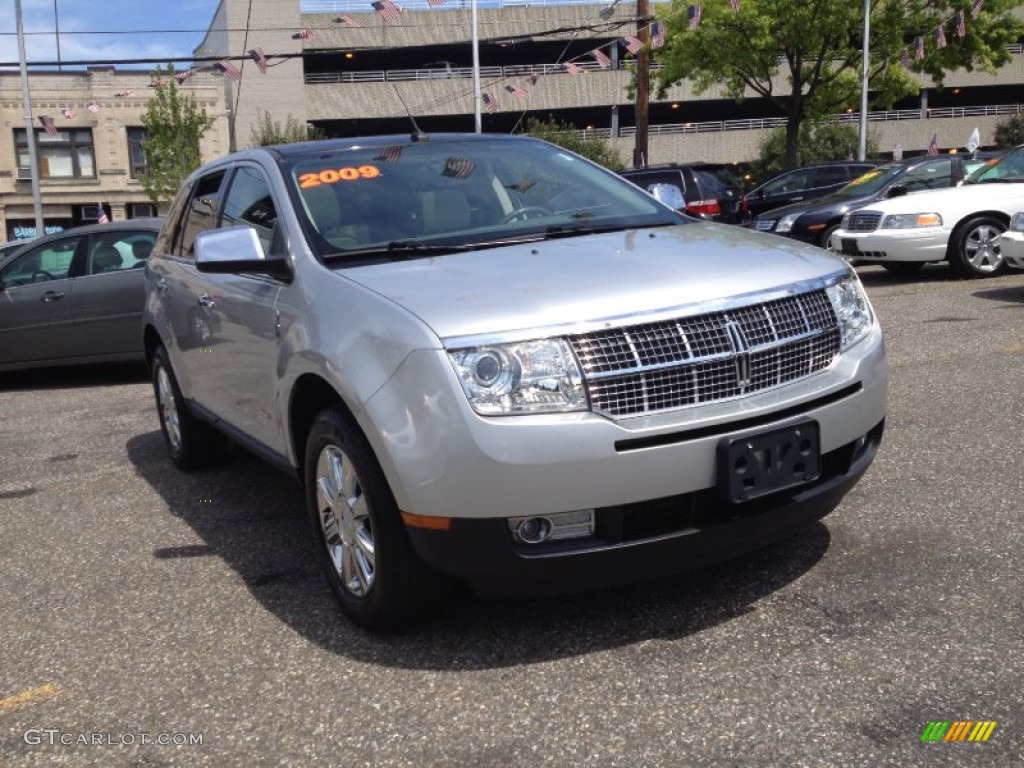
<point>200,214</point>
<point>51,261</point>
<point>172,224</point>
<point>119,251</point>
<point>248,202</point>
<point>788,183</point>
<point>829,176</point>
<point>931,176</point>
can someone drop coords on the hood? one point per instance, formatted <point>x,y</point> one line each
<point>591,277</point>
<point>829,204</point>
<point>1008,198</point>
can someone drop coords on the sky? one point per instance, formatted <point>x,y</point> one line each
<point>158,29</point>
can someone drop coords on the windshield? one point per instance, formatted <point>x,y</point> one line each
<point>428,195</point>
<point>873,181</point>
<point>1007,168</point>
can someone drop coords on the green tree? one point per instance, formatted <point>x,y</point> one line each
<point>565,135</point>
<point>805,57</point>
<point>820,141</point>
<point>174,125</point>
<point>1010,133</point>
<point>268,131</point>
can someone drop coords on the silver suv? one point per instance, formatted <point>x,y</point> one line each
<point>487,358</point>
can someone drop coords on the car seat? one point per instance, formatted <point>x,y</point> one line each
<point>106,258</point>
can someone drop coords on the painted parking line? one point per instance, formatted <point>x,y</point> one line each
<point>41,693</point>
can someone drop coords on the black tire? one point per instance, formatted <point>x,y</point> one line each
<point>366,553</point>
<point>191,443</point>
<point>825,241</point>
<point>974,248</point>
<point>902,267</point>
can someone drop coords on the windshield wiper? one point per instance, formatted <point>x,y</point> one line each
<point>572,230</point>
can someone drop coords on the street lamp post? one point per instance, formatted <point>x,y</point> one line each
<point>643,84</point>
<point>30,134</point>
<point>862,146</point>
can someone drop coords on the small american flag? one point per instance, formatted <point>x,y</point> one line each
<point>571,68</point>
<point>657,34</point>
<point>157,82</point>
<point>603,59</point>
<point>516,90</point>
<point>102,217</point>
<point>388,10</point>
<point>123,94</point>
<point>230,70</point>
<point>47,122</point>
<point>933,147</point>
<point>261,61</point>
<point>92,106</point>
<point>390,154</point>
<point>490,103</point>
<point>940,37</point>
<point>919,49</point>
<point>435,2</point>
<point>961,26</point>
<point>303,34</point>
<point>693,14</point>
<point>181,77</point>
<point>68,112</point>
<point>459,167</point>
<point>976,8</point>
<point>347,21</point>
<point>632,43</point>
<point>735,5</point>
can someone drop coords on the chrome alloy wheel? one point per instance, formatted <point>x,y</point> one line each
<point>981,248</point>
<point>168,408</point>
<point>345,521</point>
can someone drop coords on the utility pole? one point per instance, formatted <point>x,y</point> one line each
<point>864,79</point>
<point>643,84</point>
<point>30,132</point>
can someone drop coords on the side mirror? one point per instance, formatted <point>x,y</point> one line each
<point>237,249</point>
<point>897,190</point>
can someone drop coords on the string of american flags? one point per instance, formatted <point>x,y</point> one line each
<point>389,11</point>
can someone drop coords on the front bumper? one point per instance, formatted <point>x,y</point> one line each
<point>1011,246</point>
<point>640,541</point>
<point>892,245</point>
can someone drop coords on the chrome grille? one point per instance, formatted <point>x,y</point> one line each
<point>655,367</point>
<point>864,221</point>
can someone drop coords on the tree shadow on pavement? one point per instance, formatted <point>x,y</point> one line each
<point>257,524</point>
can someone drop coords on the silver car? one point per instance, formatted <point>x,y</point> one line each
<point>75,297</point>
<point>487,358</point>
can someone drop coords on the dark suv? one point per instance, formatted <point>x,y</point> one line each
<point>815,221</point>
<point>708,190</point>
<point>799,184</point>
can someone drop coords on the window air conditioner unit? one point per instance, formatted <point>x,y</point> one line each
<point>24,174</point>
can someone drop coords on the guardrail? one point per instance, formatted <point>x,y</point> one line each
<point>452,73</point>
<point>362,6</point>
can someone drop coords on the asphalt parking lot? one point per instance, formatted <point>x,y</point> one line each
<point>146,610</point>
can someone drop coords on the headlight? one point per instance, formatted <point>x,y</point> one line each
<point>1017,222</point>
<point>525,377</point>
<point>912,221</point>
<point>852,309</point>
<point>786,223</point>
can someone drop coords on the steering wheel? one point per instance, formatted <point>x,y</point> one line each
<point>524,213</point>
<point>41,273</point>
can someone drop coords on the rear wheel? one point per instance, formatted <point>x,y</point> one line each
<point>365,551</point>
<point>191,443</point>
<point>974,250</point>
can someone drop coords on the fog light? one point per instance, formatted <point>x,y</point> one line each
<point>562,525</point>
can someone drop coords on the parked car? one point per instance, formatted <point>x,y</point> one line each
<point>75,297</point>
<point>800,184</point>
<point>960,225</point>
<point>488,358</point>
<point>814,221</point>
<point>708,190</point>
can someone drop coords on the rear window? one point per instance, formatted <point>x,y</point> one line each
<point>720,182</point>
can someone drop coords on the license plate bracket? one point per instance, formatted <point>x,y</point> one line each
<point>768,462</point>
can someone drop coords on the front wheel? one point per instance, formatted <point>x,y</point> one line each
<point>370,563</point>
<point>975,251</point>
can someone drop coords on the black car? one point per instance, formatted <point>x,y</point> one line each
<point>799,184</point>
<point>814,221</point>
<point>708,190</point>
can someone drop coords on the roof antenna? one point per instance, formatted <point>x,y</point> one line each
<point>417,134</point>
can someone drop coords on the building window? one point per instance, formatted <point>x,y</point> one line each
<point>68,155</point>
<point>136,152</point>
<point>140,210</point>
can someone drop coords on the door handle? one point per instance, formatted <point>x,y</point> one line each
<point>161,286</point>
<point>51,296</point>
<point>205,300</point>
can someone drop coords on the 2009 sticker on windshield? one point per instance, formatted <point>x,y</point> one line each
<point>334,175</point>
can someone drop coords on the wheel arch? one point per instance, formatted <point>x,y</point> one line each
<point>310,395</point>
<point>150,341</point>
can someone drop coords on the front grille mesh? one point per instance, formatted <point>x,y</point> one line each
<point>655,367</point>
<point>864,221</point>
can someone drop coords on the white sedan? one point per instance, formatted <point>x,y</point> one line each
<point>962,225</point>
